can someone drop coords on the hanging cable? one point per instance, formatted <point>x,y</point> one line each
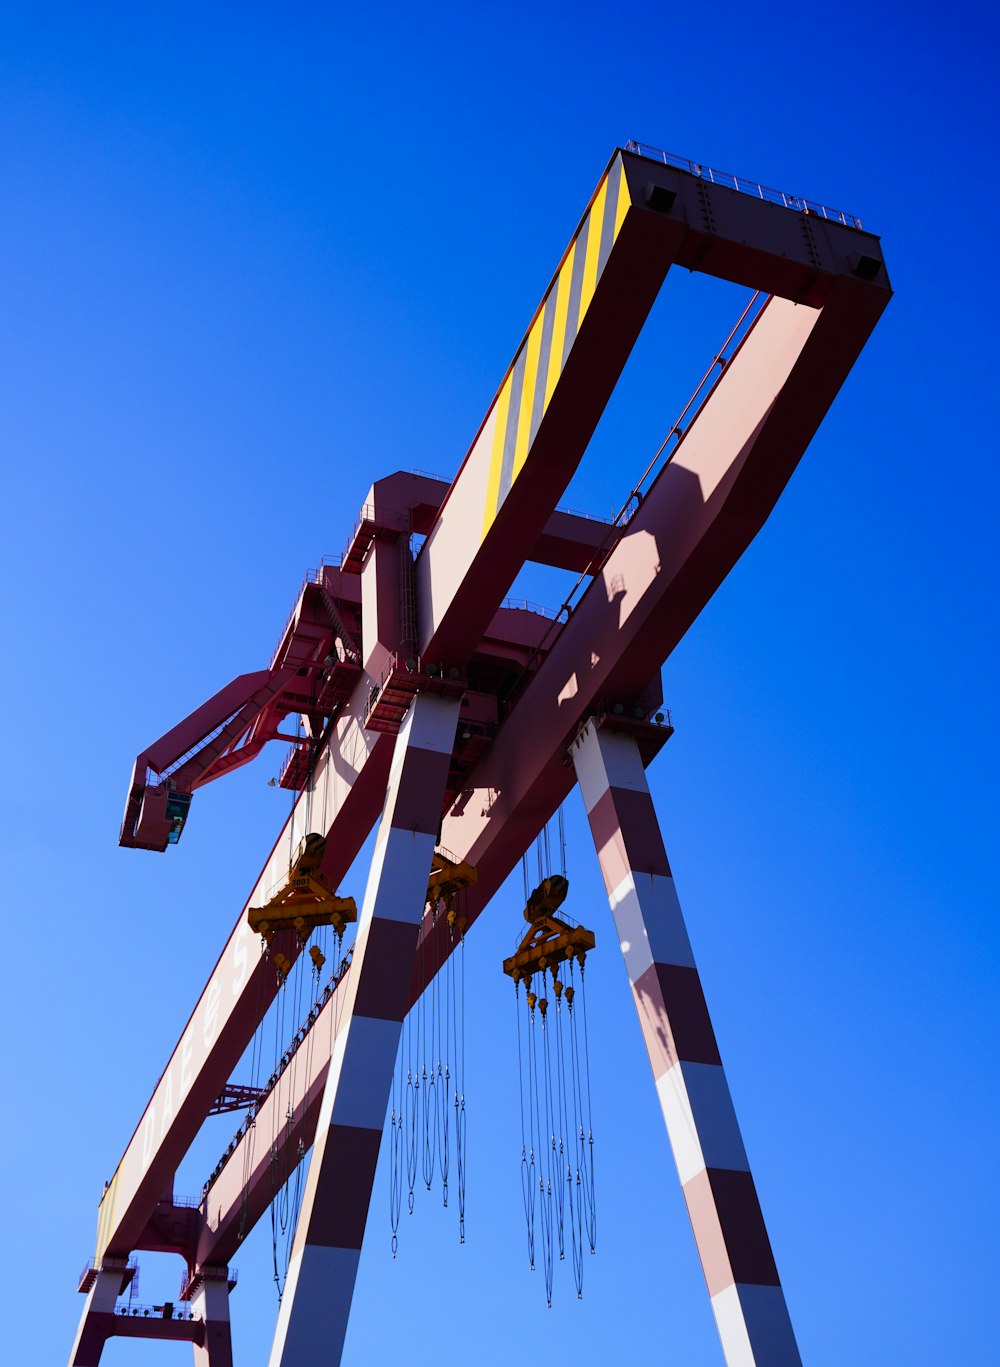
<point>461,1148</point>
<point>427,1116</point>
<point>527,1146</point>
<point>557,1144</point>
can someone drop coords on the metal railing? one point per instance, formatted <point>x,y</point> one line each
<point>740,183</point>
<point>526,605</point>
<point>232,1278</point>
<point>169,1310</point>
<point>314,576</point>
<point>195,749</point>
<point>109,1263</point>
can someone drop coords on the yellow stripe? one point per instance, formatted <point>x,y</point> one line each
<point>106,1211</point>
<point>102,1215</point>
<point>528,394</point>
<point>559,323</point>
<point>532,378</point>
<point>593,250</point>
<point>496,458</point>
<point>624,202</point>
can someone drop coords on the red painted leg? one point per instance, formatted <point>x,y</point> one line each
<point>210,1302</point>
<point>747,1297</point>
<point>312,1320</point>
<point>97,1320</point>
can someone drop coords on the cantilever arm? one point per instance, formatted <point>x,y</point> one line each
<point>208,731</point>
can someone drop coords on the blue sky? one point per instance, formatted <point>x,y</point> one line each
<point>254,259</point>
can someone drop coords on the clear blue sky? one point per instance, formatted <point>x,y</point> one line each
<point>256,255</point>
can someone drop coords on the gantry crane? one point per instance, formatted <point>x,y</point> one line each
<point>456,723</point>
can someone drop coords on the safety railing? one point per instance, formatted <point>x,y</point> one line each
<point>740,183</point>
<point>314,576</point>
<point>169,1310</point>
<point>109,1263</point>
<point>231,1274</point>
<point>161,776</point>
<point>526,605</point>
<point>576,512</point>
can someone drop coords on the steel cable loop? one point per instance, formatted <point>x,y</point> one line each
<point>411,1103</point>
<point>561,1122</point>
<point>431,1057</point>
<point>426,1139</point>
<point>554,1086</point>
<point>396,1150</point>
<point>550,1144</point>
<point>449,1033</point>
<point>438,1067</point>
<point>576,1178</point>
<point>274,1157</point>
<point>532,1123</point>
<point>461,1137</point>
<point>527,1173</point>
<point>589,1190</point>
<point>256,1054</point>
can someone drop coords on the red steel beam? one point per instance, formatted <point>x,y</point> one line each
<point>244,1188</point>
<point>347,792</point>
<point>643,218</point>
<point>238,993</point>
<point>699,516</point>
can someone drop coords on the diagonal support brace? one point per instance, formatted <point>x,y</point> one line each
<point>747,1297</point>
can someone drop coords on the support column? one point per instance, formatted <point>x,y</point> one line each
<point>210,1302</point>
<point>736,1257</point>
<point>97,1320</point>
<point>312,1319</point>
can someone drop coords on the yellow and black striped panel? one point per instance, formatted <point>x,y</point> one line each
<point>531,380</point>
<point>105,1217</point>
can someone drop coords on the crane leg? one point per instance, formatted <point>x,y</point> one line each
<point>97,1320</point>
<point>210,1302</point>
<point>312,1319</point>
<point>747,1297</point>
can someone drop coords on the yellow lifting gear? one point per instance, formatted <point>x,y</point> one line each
<point>305,900</point>
<point>550,941</point>
<point>447,878</point>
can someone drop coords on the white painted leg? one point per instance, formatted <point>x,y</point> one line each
<point>210,1303</point>
<point>312,1319</point>
<point>747,1298</point>
<point>97,1320</point>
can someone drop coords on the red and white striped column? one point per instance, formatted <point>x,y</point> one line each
<point>98,1318</point>
<point>210,1303</point>
<point>312,1319</point>
<point>736,1257</point>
